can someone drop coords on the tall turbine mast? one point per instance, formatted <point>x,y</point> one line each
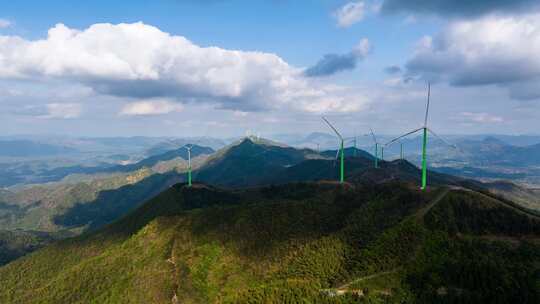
<point>424,142</point>
<point>425,129</point>
<point>188,148</point>
<point>340,151</point>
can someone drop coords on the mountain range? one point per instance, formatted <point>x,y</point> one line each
<point>312,242</point>
<point>266,222</point>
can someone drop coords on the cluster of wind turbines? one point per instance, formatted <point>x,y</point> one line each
<point>425,130</point>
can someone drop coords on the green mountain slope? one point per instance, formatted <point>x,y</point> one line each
<point>349,152</point>
<point>294,243</point>
<point>17,243</point>
<point>90,205</point>
<point>250,163</point>
<point>165,156</point>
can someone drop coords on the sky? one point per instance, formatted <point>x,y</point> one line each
<point>227,67</point>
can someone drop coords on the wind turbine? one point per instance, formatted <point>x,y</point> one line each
<point>354,151</point>
<point>188,148</point>
<point>376,148</point>
<point>340,151</point>
<point>425,129</point>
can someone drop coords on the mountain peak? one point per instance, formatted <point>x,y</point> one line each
<point>494,141</point>
<point>255,140</point>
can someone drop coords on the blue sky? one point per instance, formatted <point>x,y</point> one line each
<point>299,33</point>
<point>478,88</point>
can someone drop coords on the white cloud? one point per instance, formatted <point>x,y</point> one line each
<point>151,107</point>
<point>492,50</point>
<point>350,13</point>
<point>481,117</point>
<point>4,23</point>
<point>334,63</point>
<point>63,110</point>
<point>363,48</point>
<point>141,62</point>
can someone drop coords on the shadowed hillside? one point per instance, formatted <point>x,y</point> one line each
<point>17,243</point>
<point>314,242</point>
<point>349,152</point>
<point>249,163</point>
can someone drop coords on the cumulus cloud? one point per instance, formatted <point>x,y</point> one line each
<point>458,8</point>
<point>350,13</point>
<point>63,110</point>
<point>151,107</point>
<point>139,61</point>
<point>492,50</point>
<point>333,63</point>
<point>4,23</point>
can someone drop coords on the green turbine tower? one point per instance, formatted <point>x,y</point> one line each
<point>188,148</point>
<point>341,152</point>
<point>425,129</point>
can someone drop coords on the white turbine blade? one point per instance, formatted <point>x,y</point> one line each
<point>332,127</point>
<point>441,139</point>
<point>400,137</point>
<point>373,135</point>
<point>337,154</point>
<point>427,106</point>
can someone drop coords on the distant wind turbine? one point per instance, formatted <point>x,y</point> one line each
<point>340,151</point>
<point>354,141</point>
<point>425,130</point>
<point>376,148</point>
<point>188,148</point>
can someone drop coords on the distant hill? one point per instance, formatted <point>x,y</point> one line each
<point>349,152</point>
<point>34,208</point>
<point>27,148</point>
<point>248,163</point>
<point>308,242</point>
<point>492,151</point>
<point>174,144</point>
<point>519,140</point>
<point>59,173</point>
<point>14,244</point>
<point>110,205</point>
<point>527,198</point>
<point>181,152</point>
